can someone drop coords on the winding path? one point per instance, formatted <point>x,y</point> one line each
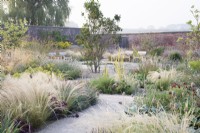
<point>108,111</point>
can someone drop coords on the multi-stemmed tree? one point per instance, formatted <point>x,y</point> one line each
<point>96,34</point>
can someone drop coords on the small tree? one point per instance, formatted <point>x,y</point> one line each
<point>12,33</point>
<point>193,38</point>
<point>96,34</point>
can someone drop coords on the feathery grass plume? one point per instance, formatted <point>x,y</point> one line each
<point>159,123</point>
<point>76,55</point>
<point>163,78</point>
<point>77,95</point>
<point>27,98</point>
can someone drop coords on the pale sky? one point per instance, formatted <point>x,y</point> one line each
<point>140,13</point>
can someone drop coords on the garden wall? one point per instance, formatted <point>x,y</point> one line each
<point>166,39</point>
<point>127,40</point>
<point>71,33</point>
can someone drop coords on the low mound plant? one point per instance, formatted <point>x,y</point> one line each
<point>104,84</point>
<point>63,45</point>
<point>69,71</point>
<point>63,70</point>
<point>195,65</point>
<point>108,85</point>
<point>175,57</point>
<point>179,98</point>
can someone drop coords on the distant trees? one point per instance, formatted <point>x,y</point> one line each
<point>37,12</point>
<point>96,34</point>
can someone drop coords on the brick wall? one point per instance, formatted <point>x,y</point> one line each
<point>128,40</point>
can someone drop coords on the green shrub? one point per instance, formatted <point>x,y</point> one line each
<point>175,99</point>
<point>122,86</point>
<point>104,84</point>
<point>20,68</point>
<point>12,33</point>
<point>108,85</point>
<point>155,98</point>
<point>157,51</point>
<point>67,70</point>
<point>64,45</point>
<point>132,84</point>
<point>63,70</point>
<point>195,65</point>
<point>180,98</point>
<point>162,84</point>
<point>176,57</point>
<point>141,79</point>
<point>190,76</point>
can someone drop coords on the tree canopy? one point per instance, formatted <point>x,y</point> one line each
<point>97,33</point>
<point>12,33</point>
<point>38,12</point>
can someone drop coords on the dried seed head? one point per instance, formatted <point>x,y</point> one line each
<point>176,106</point>
<point>192,84</point>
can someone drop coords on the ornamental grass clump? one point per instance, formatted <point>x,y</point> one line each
<point>77,95</point>
<point>27,98</point>
<point>146,66</point>
<point>162,122</point>
<point>104,84</point>
<point>156,123</point>
<point>33,99</point>
<point>163,78</point>
<point>68,70</point>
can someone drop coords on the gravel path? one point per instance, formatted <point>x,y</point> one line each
<point>106,112</point>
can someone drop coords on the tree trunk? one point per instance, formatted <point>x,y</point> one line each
<point>95,69</point>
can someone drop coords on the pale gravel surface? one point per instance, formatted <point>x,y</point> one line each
<point>105,113</point>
